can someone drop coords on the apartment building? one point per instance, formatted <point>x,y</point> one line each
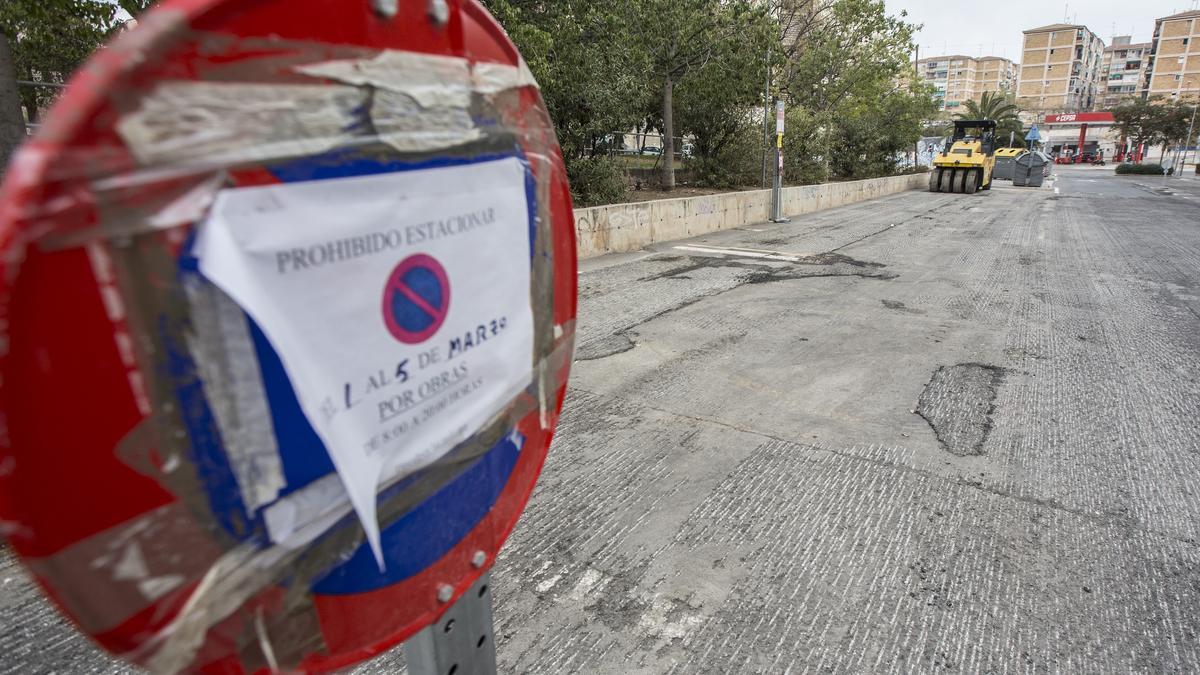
<point>1175,60</point>
<point>958,78</point>
<point>1061,68</point>
<point>1125,71</point>
<point>995,74</point>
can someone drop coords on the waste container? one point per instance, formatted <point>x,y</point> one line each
<point>1029,170</point>
<point>1005,160</point>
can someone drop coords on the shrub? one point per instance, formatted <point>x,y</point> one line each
<point>596,181</point>
<point>1140,170</point>
<point>737,163</point>
<point>804,148</point>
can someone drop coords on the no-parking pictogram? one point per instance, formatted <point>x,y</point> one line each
<point>416,299</point>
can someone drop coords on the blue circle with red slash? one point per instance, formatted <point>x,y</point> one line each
<point>416,299</point>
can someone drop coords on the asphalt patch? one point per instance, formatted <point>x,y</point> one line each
<point>897,306</point>
<point>609,345</point>
<point>958,403</point>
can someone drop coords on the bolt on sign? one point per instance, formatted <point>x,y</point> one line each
<point>288,299</point>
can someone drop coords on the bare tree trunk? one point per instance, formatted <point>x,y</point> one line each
<point>12,122</point>
<point>668,149</point>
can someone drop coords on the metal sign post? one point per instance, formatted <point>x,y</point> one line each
<point>299,437</point>
<point>462,642</point>
<point>1191,139</point>
<point>777,190</point>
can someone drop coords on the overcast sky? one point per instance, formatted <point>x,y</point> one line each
<point>994,28</point>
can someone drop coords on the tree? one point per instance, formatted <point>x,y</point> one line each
<point>1140,120</point>
<point>589,76</point>
<point>1174,122</point>
<point>683,36</point>
<point>716,105</point>
<point>51,38</point>
<point>845,75</point>
<point>871,134</point>
<point>999,108</point>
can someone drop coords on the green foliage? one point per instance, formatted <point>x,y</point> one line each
<point>707,52</point>
<point>592,82</point>
<point>715,102</point>
<point>1138,120</point>
<point>52,38</point>
<point>595,181</point>
<point>804,148</point>
<point>854,53</point>
<point>1153,121</point>
<point>870,135</point>
<point>737,162</point>
<point>697,68</point>
<point>845,78</point>
<point>1140,170</point>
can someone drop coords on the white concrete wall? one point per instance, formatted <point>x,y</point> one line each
<point>630,227</point>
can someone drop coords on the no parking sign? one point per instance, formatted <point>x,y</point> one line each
<point>288,300</point>
<point>416,299</point>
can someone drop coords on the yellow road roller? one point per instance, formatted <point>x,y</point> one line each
<point>966,164</point>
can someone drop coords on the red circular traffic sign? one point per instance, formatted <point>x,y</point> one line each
<point>125,487</point>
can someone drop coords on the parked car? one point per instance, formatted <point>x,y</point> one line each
<point>651,150</point>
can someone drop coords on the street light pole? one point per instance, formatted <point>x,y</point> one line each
<point>1190,137</point>
<point>766,119</point>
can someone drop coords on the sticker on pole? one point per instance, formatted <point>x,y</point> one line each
<point>386,397</point>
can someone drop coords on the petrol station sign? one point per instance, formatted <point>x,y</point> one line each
<point>288,301</point>
<point>1080,118</point>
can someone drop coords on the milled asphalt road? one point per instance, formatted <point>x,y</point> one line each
<point>947,432</point>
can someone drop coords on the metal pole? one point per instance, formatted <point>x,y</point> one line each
<point>777,190</point>
<point>766,119</point>
<point>1190,137</point>
<point>917,70</point>
<point>462,642</point>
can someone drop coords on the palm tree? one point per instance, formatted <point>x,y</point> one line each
<point>997,106</point>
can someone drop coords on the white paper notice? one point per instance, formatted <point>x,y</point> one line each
<point>398,303</point>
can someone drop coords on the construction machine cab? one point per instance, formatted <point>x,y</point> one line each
<point>970,131</point>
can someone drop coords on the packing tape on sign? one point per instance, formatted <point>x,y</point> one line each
<point>412,103</point>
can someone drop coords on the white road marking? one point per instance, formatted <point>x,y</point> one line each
<point>740,253</point>
<point>1055,190</point>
